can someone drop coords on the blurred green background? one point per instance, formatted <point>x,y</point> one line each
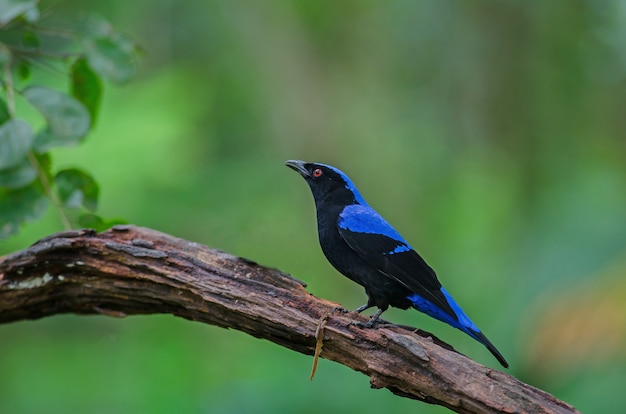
<point>492,134</point>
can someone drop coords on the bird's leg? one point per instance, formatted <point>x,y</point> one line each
<point>359,310</point>
<point>374,318</point>
<point>364,307</point>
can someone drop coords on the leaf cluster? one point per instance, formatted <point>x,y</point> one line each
<point>88,53</point>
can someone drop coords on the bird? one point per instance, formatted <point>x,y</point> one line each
<point>360,244</point>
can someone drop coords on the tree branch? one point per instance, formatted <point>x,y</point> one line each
<point>129,270</point>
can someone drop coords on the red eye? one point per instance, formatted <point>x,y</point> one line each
<point>317,172</point>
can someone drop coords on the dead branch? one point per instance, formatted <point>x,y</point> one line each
<point>129,270</point>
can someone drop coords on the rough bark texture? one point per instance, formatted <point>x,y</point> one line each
<point>129,270</point>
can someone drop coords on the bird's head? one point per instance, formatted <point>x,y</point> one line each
<point>327,183</point>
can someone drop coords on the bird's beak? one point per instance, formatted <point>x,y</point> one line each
<point>298,166</point>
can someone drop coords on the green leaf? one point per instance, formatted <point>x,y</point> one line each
<point>16,139</point>
<point>93,25</point>
<point>30,39</point>
<point>91,221</point>
<point>46,140</point>
<point>111,56</point>
<point>86,87</point>
<point>109,53</point>
<point>32,15</point>
<point>4,112</point>
<point>68,119</point>
<point>18,176</point>
<point>20,206</point>
<point>96,222</point>
<point>10,9</point>
<point>76,188</point>
<point>23,69</point>
<point>45,164</point>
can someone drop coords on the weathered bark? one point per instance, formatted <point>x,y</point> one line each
<point>130,270</point>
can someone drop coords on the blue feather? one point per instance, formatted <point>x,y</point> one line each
<point>364,219</point>
<point>349,184</point>
<point>462,321</point>
<point>401,248</point>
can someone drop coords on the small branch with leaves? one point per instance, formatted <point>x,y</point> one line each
<point>129,270</point>
<point>87,52</point>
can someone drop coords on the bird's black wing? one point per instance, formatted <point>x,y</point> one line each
<point>379,244</point>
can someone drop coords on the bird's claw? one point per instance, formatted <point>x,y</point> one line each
<point>361,325</point>
<point>340,310</point>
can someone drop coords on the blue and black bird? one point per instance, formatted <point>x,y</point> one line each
<point>361,245</point>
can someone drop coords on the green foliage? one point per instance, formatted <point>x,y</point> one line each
<point>86,87</point>
<point>16,139</point>
<point>18,176</point>
<point>67,120</point>
<point>77,189</point>
<point>26,178</point>
<point>111,56</point>
<point>12,9</point>
<point>21,205</point>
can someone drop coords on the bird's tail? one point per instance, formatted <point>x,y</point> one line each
<point>480,337</point>
<point>457,318</point>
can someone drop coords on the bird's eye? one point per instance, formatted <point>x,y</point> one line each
<point>317,172</point>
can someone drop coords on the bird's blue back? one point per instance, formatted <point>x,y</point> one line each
<point>364,219</point>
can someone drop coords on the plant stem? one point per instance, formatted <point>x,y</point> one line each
<point>47,189</point>
<point>44,53</point>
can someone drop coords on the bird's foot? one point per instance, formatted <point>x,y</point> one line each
<point>374,319</point>
<point>384,324</point>
<point>371,323</point>
<point>340,310</point>
<point>359,325</point>
<point>367,325</point>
